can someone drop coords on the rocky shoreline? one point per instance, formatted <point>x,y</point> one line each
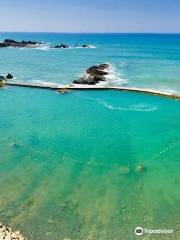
<point>7,234</point>
<point>33,44</point>
<point>94,75</point>
<point>16,44</point>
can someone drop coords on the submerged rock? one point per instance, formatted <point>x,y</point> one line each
<point>9,76</point>
<point>140,168</point>
<point>95,74</point>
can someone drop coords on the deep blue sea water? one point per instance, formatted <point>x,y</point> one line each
<point>68,163</point>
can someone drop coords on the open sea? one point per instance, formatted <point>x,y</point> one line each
<point>69,163</point>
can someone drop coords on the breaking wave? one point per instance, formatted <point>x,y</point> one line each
<point>43,48</point>
<point>114,78</point>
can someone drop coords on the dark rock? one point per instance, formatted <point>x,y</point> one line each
<point>99,78</point>
<point>94,71</point>
<point>95,74</point>
<point>13,43</point>
<point>3,45</point>
<point>86,80</point>
<point>29,42</point>
<point>2,78</point>
<point>9,76</point>
<point>103,66</point>
<point>61,46</point>
<point>91,69</point>
<point>86,46</point>
<point>97,70</point>
<point>10,41</point>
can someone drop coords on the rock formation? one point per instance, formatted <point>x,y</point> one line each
<point>32,44</point>
<point>17,44</point>
<point>9,76</point>
<point>61,46</point>
<point>94,75</point>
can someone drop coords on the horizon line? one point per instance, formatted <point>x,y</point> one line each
<point>89,32</point>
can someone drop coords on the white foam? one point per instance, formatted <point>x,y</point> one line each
<point>140,107</point>
<point>48,46</point>
<point>43,48</point>
<point>134,107</point>
<point>80,47</point>
<point>113,77</point>
<point>44,82</point>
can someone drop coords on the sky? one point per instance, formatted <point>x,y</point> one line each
<point>156,16</point>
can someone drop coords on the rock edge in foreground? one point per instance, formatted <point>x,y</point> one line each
<point>7,234</point>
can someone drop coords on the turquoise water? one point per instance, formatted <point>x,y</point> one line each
<point>69,162</point>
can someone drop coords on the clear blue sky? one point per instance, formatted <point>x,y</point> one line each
<point>90,15</point>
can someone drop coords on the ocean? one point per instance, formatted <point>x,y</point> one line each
<point>69,164</point>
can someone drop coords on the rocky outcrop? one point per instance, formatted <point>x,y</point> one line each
<point>96,71</point>
<point>33,44</point>
<point>9,76</point>
<point>61,46</point>
<point>17,44</point>
<point>86,46</point>
<point>95,74</point>
<point>7,234</point>
<point>3,45</point>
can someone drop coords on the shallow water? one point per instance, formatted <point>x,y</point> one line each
<point>68,162</point>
